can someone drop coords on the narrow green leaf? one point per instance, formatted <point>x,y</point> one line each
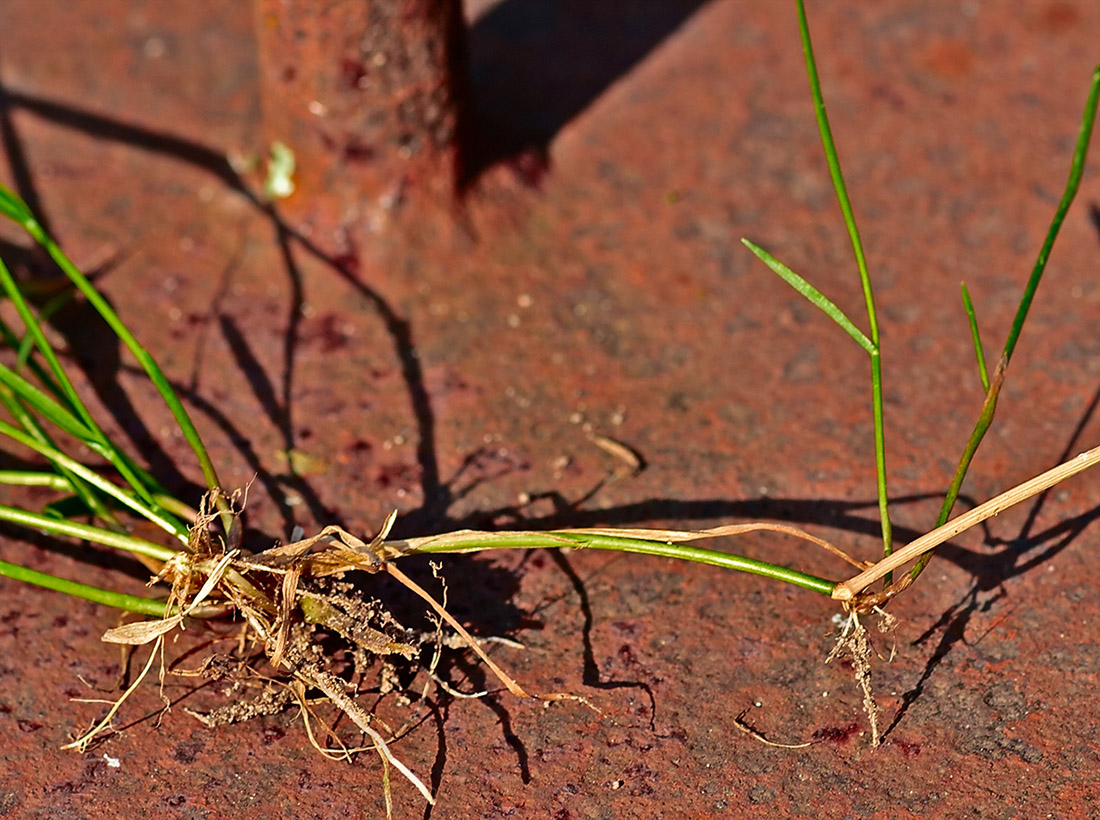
<point>15,343</point>
<point>31,425</point>
<point>66,506</point>
<point>72,398</point>
<point>143,357</point>
<point>46,407</point>
<point>26,347</point>
<point>92,477</point>
<point>832,159</point>
<point>683,552</point>
<point>34,329</point>
<point>147,362</point>
<point>812,294</point>
<point>1073,183</point>
<point>968,305</point>
<point>34,478</point>
<point>118,600</point>
<point>14,208</point>
<point>76,529</point>
<point>1077,169</point>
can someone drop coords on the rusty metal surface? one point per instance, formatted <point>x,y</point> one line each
<point>593,281</point>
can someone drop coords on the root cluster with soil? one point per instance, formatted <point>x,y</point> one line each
<point>288,600</point>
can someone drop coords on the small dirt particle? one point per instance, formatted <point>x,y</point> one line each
<point>187,752</point>
<point>760,794</point>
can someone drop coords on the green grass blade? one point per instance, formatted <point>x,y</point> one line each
<point>152,369</point>
<point>1077,169</point>
<point>976,335</point>
<point>34,330</point>
<point>46,407</point>
<point>72,398</point>
<point>67,507</point>
<point>35,478</point>
<point>87,532</point>
<point>15,343</point>
<point>62,484</point>
<point>880,456</point>
<point>30,424</point>
<point>833,161</point>
<point>118,600</point>
<point>54,411</point>
<point>812,294</point>
<point>139,480</point>
<point>26,347</point>
<point>168,524</point>
<point>506,540</point>
<point>14,208</point>
<point>1073,183</point>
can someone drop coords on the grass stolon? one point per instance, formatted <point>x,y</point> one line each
<point>283,593</point>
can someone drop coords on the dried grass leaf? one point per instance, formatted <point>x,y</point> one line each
<point>141,632</point>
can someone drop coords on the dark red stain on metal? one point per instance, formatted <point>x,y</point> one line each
<point>328,331</point>
<point>352,72</point>
<point>396,475</point>
<point>627,655</point>
<point>355,150</point>
<point>837,734</point>
<point>906,748</point>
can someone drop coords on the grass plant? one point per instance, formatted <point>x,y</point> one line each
<point>281,592</point>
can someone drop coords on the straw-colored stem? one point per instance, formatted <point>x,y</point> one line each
<point>853,586</point>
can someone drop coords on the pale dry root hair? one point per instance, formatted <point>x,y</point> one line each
<point>855,642</point>
<point>277,595</point>
<point>858,599</point>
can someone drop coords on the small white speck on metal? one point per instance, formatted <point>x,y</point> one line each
<point>281,163</point>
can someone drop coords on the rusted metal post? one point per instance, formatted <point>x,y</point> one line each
<point>367,94</point>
